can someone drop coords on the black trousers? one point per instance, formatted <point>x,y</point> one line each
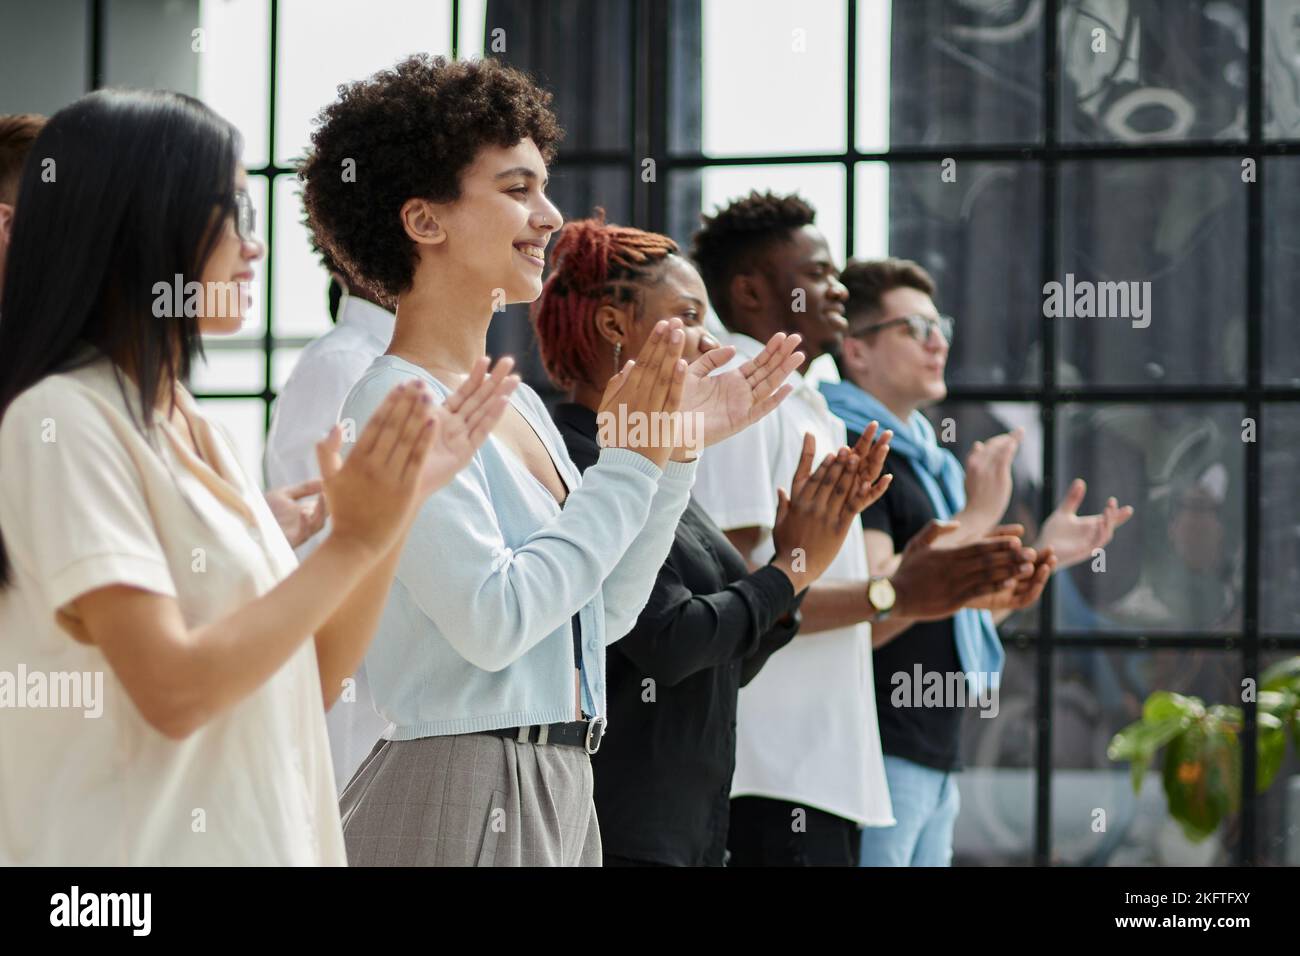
<point>767,832</point>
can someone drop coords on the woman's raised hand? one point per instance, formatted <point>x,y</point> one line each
<point>813,520</point>
<point>466,419</point>
<point>409,449</point>
<point>639,408</point>
<point>372,493</point>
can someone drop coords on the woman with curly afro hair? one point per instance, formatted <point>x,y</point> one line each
<point>663,780</point>
<point>427,181</point>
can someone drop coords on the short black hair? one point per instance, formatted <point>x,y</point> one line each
<point>734,238</point>
<point>410,131</point>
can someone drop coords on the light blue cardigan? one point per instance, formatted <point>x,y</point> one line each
<point>476,632</point>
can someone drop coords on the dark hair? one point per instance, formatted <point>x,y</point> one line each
<point>869,280</point>
<point>595,263</point>
<point>128,203</point>
<point>734,239</point>
<point>17,133</point>
<point>410,131</point>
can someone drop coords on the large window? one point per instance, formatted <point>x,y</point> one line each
<point>1005,145</point>
<point>1135,141</point>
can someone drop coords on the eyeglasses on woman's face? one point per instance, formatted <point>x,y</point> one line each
<point>918,326</point>
<point>245,215</point>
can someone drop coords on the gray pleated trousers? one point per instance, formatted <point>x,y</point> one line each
<point>471,800</point>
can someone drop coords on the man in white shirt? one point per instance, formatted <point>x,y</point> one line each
<point>809,769</point>
<point>306,408</point>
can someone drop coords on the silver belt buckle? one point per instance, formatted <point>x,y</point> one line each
<point>591,727</point>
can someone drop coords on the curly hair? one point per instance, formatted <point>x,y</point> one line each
<point>595,263</point>
<point>732,239</point>
<point>869,279</point>
<point>410,131</point>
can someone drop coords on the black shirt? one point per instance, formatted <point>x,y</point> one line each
<point>663,773</point>
<point>930,736</point>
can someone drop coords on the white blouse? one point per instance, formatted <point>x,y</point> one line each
<point>85,502</point>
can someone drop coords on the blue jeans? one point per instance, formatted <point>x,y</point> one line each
<point>926,803</point>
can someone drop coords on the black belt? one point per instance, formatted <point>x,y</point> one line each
<point>586,734</point>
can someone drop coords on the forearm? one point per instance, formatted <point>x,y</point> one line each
<point>830,605</point>
<point>231,657</point>
<point>882,632</point>
<point>342,641</point>
<point>681,634</point>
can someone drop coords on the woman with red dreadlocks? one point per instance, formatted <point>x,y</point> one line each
<point>663,777</point>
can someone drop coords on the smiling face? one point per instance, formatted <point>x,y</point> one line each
<point>893,366</point>
<point>495,234</point>
<point>804,262</point>
<point>227,274</point>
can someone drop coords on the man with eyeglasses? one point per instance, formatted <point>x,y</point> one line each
<point>892,362</point>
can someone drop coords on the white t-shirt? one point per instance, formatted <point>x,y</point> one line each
<point>307,407</point>
<point>806,726</point>
<point>86,502</point>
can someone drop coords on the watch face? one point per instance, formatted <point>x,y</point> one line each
<point>881,594</point>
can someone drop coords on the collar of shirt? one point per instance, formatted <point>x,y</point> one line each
<point>355,312</point>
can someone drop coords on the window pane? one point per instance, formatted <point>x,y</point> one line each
<point>327,42</point>
<point>1278,828</point>
<point>473,28</point>
<point>300,306</point>
<point>821,184</point>
<point>1096,694</point>
<point>1152,282</point>
<point>1281,69</point>
<point>1147,71</point>
<point>1279,554</point>
<point>229,370</point>
<point>961,73</point>
<point>234,67</point>
<point>978,236</point>
<point>1281,182</point>
<point>1176,564</point>
<point>773,77</point>
<point>996,823</point>
<point>244,421</point>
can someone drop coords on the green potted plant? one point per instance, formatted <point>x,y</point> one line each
<point>1202,761</point>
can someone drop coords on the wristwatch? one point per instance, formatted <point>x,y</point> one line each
<point>880,595</point>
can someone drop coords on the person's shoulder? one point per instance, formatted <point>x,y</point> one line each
<point>62,421</point>
<point>332,357</point>
<point>61,399</point>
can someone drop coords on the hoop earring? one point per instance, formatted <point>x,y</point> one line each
<point>618,351</point>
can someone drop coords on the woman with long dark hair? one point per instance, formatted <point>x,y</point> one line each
<point>167,663</point>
